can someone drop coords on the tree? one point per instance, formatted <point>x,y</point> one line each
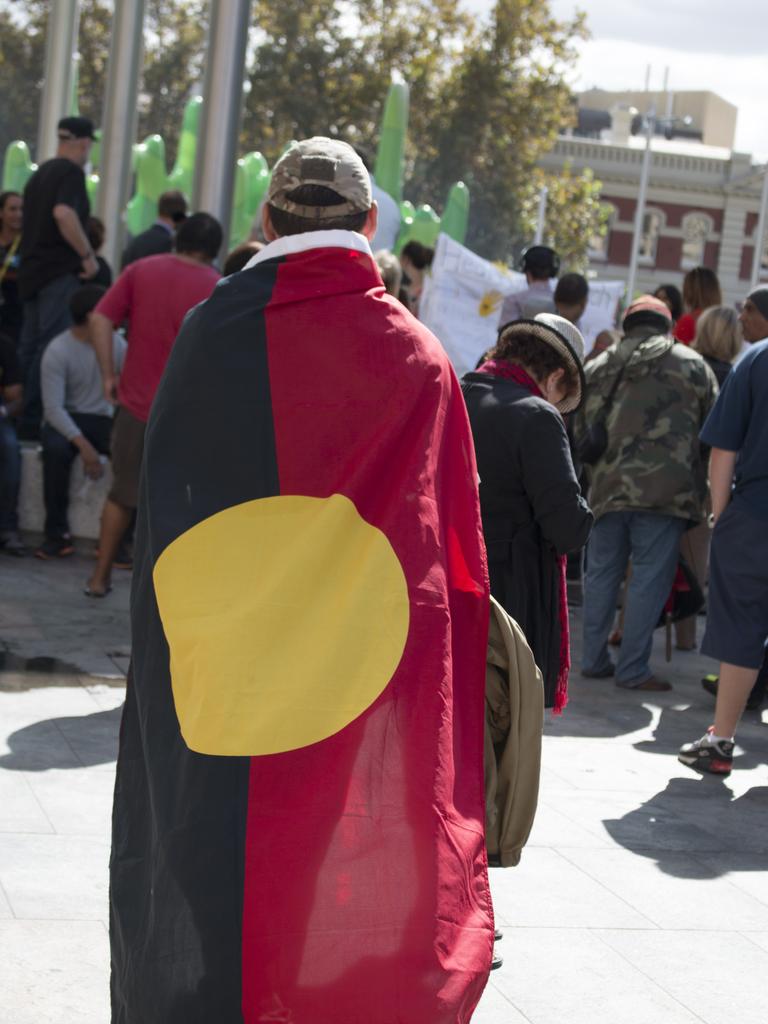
<point>94,34</point>
<point>501,109</point>
<point>23,27</point>
<point>488,95</point>
<point>22,56</point>
<point>174,48</point>
<point>324,66</point>
<point>574,214</point>
<point>174,57</point>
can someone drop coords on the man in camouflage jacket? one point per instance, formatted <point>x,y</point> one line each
<point>649,485</point>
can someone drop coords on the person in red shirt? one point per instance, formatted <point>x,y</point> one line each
<point>701,289</point>
<point>153,295</point>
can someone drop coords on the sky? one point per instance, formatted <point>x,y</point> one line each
<point>707,44</point>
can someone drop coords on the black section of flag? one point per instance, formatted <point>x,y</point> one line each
<point>180,818</point>
<point>211,440</point>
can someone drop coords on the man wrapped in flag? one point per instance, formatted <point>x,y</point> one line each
<point>298,822</point>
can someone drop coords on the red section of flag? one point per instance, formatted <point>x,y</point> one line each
<point>366,893</point>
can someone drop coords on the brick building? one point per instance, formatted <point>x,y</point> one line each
<point>702,203</point>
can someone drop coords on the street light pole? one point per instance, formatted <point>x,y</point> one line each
<point>541,215</point>
<point>757,256</point>
<point>60,46</point>
<point>222,107</point>
<point>645,170</point>
<point>120,118</point>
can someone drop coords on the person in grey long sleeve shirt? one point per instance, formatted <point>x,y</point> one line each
<point>77,416</point>
<point>539,264</point>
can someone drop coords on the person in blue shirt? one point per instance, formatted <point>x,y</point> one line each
<point>737,625</point>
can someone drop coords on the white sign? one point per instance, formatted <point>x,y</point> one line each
<point>461,301</point>
<point>463,295</point>
<point>602,310</point>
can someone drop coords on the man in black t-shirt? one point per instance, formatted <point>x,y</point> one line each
<point>55,254</point>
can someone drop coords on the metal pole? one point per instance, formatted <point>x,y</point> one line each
<point>757,256</point>
<point>60,46</point>
<point>120,117</point>
<point>541,216</point>
<point>670,96</point>
<point>640,208</point>
<point>222,107</point>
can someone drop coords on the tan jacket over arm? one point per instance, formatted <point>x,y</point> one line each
<point>514,720</point>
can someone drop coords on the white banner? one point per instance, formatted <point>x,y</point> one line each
<point>602,310</point>
<point>462,299</point>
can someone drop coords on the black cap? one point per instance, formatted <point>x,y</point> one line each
<point>76,128</point>
<point>540,259</point>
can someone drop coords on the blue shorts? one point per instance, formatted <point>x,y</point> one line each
<point>737,606</point>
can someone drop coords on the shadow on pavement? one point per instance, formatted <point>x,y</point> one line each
<point>698,816</point>
<point>72,742</point>
<point>597,709</point>
<point>18,673</point>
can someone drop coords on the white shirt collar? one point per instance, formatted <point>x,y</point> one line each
<point>290,244</point>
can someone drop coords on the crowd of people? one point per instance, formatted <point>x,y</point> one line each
<point>632,478</point>
<point>667,449</point>
<point>593,469</point>
<point>67,379</point>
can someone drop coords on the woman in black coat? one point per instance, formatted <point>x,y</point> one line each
<point>531,503</point>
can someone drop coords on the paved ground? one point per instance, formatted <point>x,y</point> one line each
<point>642,897</point>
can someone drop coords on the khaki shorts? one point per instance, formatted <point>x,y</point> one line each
<point>127,451</point>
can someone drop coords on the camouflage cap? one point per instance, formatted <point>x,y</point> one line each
<point>321,161</point>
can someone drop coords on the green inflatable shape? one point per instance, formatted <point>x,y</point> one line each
<point>17,166</point>
<point>92,187</point>
<point>407,213</point>
<point>391,152</point>
<point>183,174</point>
<point>240,224</point>
<point>257,176</point>
<point>424,228</point>
<point>95,158</point>
<point>455,217</point>
<point>151,181</point>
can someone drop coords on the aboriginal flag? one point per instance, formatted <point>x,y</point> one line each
<point>298,820</point>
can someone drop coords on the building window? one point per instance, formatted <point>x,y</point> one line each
<point>649,238</point>
<point>697,227</point>
<point>598,243</point>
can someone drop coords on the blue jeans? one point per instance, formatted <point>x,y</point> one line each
<point>45,316</point>
<point>652,542</point>
<point>58,456</point>
<point>10,475</point>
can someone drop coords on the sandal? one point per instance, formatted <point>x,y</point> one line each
<point>96,593</point>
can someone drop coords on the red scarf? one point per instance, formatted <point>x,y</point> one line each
<point>510,371</point>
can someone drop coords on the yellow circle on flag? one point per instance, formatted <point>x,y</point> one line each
<point>285,617</point>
